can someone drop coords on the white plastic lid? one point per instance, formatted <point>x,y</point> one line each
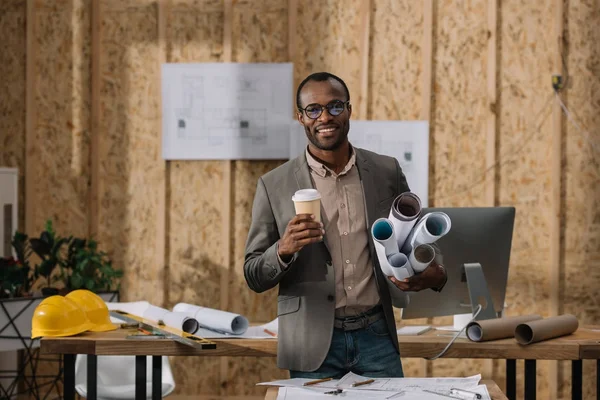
<point>306,195</point>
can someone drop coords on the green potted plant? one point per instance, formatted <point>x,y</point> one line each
<point>16,278</point>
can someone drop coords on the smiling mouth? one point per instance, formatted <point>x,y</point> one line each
<point>326,131</point>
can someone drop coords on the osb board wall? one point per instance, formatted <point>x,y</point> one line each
<point>526,65</point>
<point>194,33</point>
<point>61,97</point>
<point>582,175</point>
<point>327,38</point>
<point>130,174</point>
<point>12,85</point>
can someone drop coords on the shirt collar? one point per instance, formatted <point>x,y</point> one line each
<point>322,170</point>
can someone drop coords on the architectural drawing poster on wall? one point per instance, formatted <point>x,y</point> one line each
<point>224,111</point>
<point>407,141</point>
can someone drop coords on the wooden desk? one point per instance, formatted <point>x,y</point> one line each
<point>583,344</point>
<point>495,392</point>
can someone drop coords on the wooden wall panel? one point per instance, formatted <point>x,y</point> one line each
<point>260,34</point>
<point>396,65</point>
<point>12,85</point>
<point>458,124</point>
<point>458,119</point>
<point>582,148</point>
<point>525,147</point>
<point>62,101</point>
<point>329,40</point>
<point>128,145</point>
<point>195,34</point>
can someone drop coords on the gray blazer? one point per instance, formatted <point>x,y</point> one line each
<point>306,302</point>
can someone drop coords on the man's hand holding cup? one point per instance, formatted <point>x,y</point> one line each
<point>306,227</point>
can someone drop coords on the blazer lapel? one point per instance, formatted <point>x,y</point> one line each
<point>368,186</point>
<point>302,173</point>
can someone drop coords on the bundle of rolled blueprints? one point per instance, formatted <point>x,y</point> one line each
<point>403,240</point>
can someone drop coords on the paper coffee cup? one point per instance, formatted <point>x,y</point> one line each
<point>308,201</point>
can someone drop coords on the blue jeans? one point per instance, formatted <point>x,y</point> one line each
<point>368,352</point>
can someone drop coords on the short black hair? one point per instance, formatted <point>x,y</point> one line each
<point>320,77</point>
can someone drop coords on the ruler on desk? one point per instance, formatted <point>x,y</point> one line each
<point>182,337</point>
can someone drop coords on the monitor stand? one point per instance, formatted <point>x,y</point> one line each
<point>479,294</point>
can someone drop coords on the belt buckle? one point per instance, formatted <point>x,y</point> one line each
<point>362,320</point>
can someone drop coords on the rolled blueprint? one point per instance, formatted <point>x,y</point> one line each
<point>383,232</point>
<point>396,265</point>
<point>421,257</point>
<point>400,266</point>
<point>217,320</point>
<point>548,328</point>
<point>404,213</point>
<point>174,320</point>
<point>181,321</point>
<point>429,229</point>
<point>500,328</point>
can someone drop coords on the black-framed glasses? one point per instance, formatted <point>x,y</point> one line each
<point>334,108</point>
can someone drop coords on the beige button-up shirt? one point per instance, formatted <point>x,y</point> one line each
<point>346,236</point>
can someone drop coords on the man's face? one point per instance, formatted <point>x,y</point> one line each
<point>326,132</point>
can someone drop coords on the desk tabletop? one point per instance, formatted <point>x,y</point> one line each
<point>495,392</point>
<point>585,343</point>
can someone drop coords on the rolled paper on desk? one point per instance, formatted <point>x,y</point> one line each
<point>176,320</point>
<point>548,328</point>
<point>217,320</point>
<point>404,213</point>
<point>421,257</point>
<point>500,328</point>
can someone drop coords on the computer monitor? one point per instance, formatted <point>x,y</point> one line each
<point>478,235</point>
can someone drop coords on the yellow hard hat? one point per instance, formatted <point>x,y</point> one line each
<point>58,316</point>
<point>94,307</point>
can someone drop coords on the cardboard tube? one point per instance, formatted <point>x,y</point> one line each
<point>548,328</point>
<point>500,328</point>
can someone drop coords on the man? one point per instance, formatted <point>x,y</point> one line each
<point>334,305</point>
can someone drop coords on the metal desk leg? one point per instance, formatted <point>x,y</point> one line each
<point>530,380</point>
<point>576,379</point>
<point>156,377</point>
<point>511,379</point>
<point>92,377</point>
<point>69,376</point>
<point>140,377</point>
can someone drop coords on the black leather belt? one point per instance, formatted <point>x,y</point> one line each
<point>359,321</point>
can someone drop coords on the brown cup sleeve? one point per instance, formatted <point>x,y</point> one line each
<point>548,328</point>
<point>498,328</point>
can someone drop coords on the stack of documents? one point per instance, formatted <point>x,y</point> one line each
<point>350,387</point>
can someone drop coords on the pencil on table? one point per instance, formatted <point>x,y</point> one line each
<point>317,381</point>
<point>363,382</point>
<point>268,332</point>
